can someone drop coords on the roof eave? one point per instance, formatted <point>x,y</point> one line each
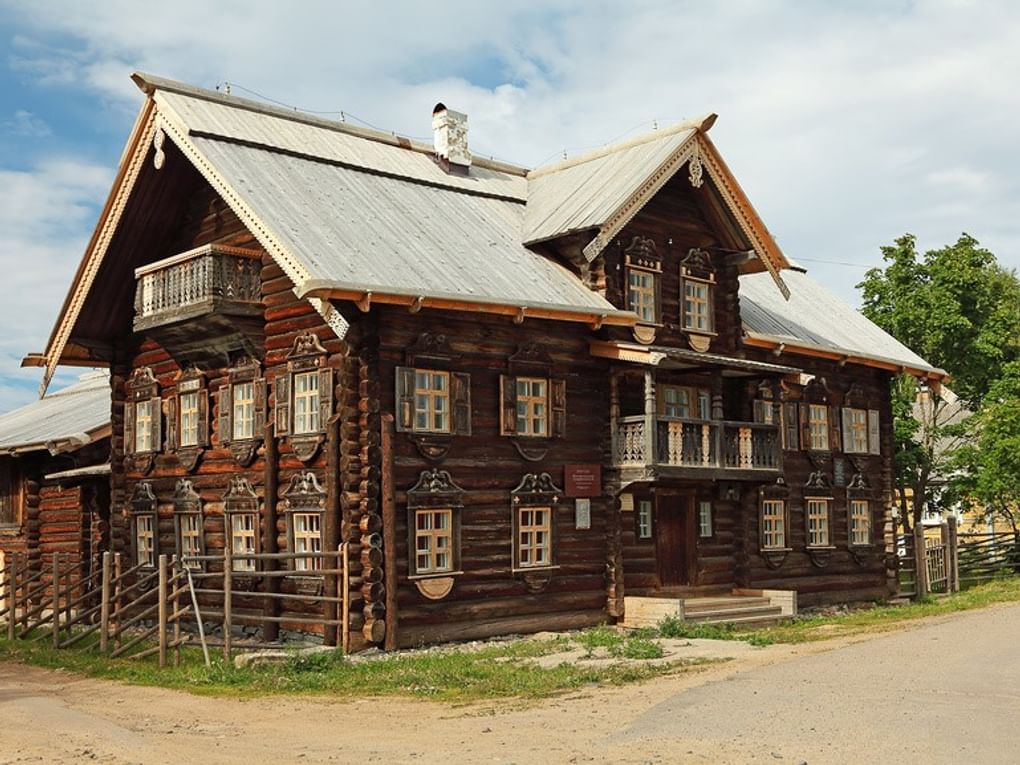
<point>842,355</point>
<point>365,296</point>
<point>59,445</point>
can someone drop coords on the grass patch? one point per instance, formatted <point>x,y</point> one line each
<point>500,671</point>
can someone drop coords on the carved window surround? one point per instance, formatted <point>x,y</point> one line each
<point>642,282</point>
<point>242,431</point>
<point>435,491</point>
<point>143,421</point>
<point>535,491</point>
<point>188,515</point>
<point>305,497</point>
<point>697,309</point>
<point>532,367</point>
<point>431,355</point>
<point>145,525</point>
<point>188,418</point>
<point>304,397</point>
<point>860,490</point>
<point>241,523</point>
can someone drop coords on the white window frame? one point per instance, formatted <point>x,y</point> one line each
<point>642,294</point>
<point>530,550</point>
<point>644,519</point>
<point>188,412</point>
<point>143,425</point>
<point>189,527</point>
<point>818,520</point>
<point>428,541</point>
<point>704,519</point>
<point>773,524</point>
<point>242,414</point>
<point>860,515</point>
<point>426,398</point>
<point>701,303</point>
<point>532,408</point>
<point>306,402</point>
<point>307,539</point>
<point>247,537</point>
<point>818,427</point>
<point>146,530</point>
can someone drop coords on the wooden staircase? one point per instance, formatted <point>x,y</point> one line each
<point>743,607</point>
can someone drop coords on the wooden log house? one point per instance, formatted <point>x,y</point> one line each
<point>518,394</point>
<point>54,480</point>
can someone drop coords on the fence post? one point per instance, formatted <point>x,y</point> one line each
<point>175,582</point>
<point>345,608</point>
<point>953,553</point>
<point>13,597</point>
<point>161,609</point>
<point>118,570</point>
<point>921,561</point>
<point>104,605</point>
<point>55,605</point>
<point>5,597</point>
<point>228,596</point>
<point>69,570</point>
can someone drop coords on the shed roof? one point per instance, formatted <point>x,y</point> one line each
<point>815,319</point>
<point>62,421</point>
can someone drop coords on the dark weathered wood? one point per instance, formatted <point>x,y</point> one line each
<point>389,524</point>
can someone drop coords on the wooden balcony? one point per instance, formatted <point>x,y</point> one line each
<point>204,304</point>
<point>681,447</point>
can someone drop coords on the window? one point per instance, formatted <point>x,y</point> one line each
<point>677,401</point>
<point>243,416</point>
<point>240,512</point>
<point>641,291</point>
<point>189,535</point>
<point>189,419</point>
<point>242,540</point>
<point>10,494</point>
<point>644,519</point>
<point>534,537</point>
<point>818,522</point>
<point>704,519</point>
<point>773,524</point>
<point>532,407</point>
<point>306,402</point>
<point>433,541</point>
<point>143,417</point>
<point>861,432</point>
<point>860,522</point>
<point>697,306</point>
<point>431,401</point>
<point>818,426</point>
<point>303,397</point>
<point>307,539</point>
<point>434,401</point>
<point>145,540</point>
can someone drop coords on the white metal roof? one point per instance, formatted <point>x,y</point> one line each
<point>67,418</point>
<point>814,317</point>
<point>585,193</point>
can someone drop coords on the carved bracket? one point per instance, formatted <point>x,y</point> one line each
<point>307,446</point>
<point>533,450</point>
<point>189,457</point>
<point>536,581</point>
<point>819,557</point>
<point>861,555</point>
<point>774,558</point>
<point>140,463</point>
<point>432,447</point>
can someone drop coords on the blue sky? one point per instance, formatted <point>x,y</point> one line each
<point>847,124</point>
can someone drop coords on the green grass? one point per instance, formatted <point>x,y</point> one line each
<point>500,671</point>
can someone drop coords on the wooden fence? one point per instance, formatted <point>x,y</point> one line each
<point>986,556</point>
<point>928,565</point>
<point>141,611</point>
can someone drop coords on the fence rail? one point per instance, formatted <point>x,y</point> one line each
<point>987,556</point>
<point>141,611</point>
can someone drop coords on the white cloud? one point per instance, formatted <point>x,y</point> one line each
<point>24,124</point>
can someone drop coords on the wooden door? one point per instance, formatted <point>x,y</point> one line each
<point>674,538</point>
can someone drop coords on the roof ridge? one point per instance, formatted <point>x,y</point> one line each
<point>150,83</point>
<point>700,124</point>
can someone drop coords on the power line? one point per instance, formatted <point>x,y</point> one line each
<point>833,262</point>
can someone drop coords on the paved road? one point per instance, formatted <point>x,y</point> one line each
<point>944,692</point>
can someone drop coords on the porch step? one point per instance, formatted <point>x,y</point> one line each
<point>697,606</point>
<point>754,607</point>
<point>766,614</point>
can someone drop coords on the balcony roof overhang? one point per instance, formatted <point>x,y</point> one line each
<point>687,360</point>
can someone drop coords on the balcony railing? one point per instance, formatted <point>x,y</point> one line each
<point>208,279</point>
<point>698,444</point>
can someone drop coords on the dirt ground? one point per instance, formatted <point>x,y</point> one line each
<point>872,699</point>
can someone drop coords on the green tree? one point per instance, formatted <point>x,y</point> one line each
<point>958,309</point>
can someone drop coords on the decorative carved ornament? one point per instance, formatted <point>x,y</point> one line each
<point>536,489</point>
<point>307,354</point>
<point>240,496</point>
<point>307,344</point>
<point>695,168</point>
<point>436,588</point>
<point>429,346</point>
<point>159,156</point>
<point>778,490</point>
<point>697,262</point>
<point>433,447</point>
<point>642,253</point>
<point>817,480</point>
<point>304,492</point>
<point>530,355</point>
<point>186,499</point>
<point>143,500</point>
<point>820,557</point>
<point>435,488</point>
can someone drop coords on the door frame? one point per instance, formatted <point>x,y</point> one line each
<point>683,502</point>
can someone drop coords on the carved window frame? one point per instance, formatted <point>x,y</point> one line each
<point>536,491</point>
<point>530,362</point>
<point>871,430</point>
<point>188,504</point>
<point>241,499</point>
<point>144,505</point>
<point>306,356</point>
<point>868,515</point>
<point>143,389</point>
<point>696,269</point>
<point>642,257</point>
<point>190,381</point>
<point>816,393</point>
<point>305,496</point>
<point>12,495</point>
<point>245,371</point>
<point>434,491</point>
<point>828,501</point>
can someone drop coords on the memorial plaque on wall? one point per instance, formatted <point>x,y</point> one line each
<point>838,471</point>
<point>583,480</point>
